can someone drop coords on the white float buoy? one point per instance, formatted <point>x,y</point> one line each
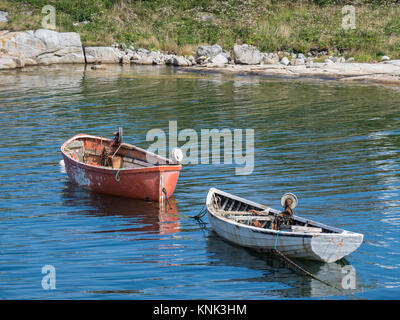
<point>177,154</point>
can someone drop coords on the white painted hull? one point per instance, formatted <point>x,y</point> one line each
<point>326,247</point>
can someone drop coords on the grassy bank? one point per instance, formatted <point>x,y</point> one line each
<point>180,26</point>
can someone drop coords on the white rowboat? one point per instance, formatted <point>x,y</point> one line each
<point>231,217</point>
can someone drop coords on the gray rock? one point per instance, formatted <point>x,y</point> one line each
<point>43,46</point>
<point>351,59</point>
<point>202,59</point>
<point>301,56</point>
<point>329,62</point>
<point>3,16</point>
<point>180,61</point>
<point>385,58</point>
<point>143,59</point>
<point>126,59</point>
<point>7,62</point>
<point>142,51</point>
<point>285,61</point>
<point>267,60</point>
<point>155,55</point>
<point>227,55</point>
<point>341,60</point>
<point>24,43</point>
<point>131,48</point>
<point>58,40</point>
<point>192,60</point>
<point>11,62</point>
<point>395,62</point>
<point>219,60</point>
<point>297,62</point>
<point>245,54</point>
<point>270,58</point>
<point>208,51</point>
<point>103,55</point>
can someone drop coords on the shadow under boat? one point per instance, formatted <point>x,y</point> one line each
<point>274,270</point>
<point>144,216</point>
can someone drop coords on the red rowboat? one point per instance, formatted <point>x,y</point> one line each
<point>113,167</point>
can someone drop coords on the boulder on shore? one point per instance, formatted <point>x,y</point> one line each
<point>178,61</point>
<point>219,60</point>
<point>245,54</point>
<point>142,59</point>
<point>298,62</point>
<point>208,51</point>
<point>285,61</point>
<point>102,55</point>
<point>42,46</point>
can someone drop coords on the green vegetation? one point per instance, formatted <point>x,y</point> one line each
<point>180,26</point>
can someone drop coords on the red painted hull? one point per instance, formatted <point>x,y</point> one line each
<point>139,183</point>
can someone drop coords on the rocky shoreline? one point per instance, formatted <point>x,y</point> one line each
<point>46,47</point>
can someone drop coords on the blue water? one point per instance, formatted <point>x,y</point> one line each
<point>336,146</point>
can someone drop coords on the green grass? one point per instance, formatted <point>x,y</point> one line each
<point>176,26</point>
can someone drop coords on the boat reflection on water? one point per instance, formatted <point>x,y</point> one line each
<point>274,271</point>
<point>145,216</point>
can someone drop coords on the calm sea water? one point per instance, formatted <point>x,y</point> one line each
<point>336,146</point>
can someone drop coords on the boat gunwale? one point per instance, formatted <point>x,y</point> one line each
<point>337,231</point>
<point>155,168</point>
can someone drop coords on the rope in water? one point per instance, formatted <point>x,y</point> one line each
<point>296,266</point>
<point>201,214</point>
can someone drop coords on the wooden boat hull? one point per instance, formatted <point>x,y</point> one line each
<point>325,247</point>
<point>139,183</point>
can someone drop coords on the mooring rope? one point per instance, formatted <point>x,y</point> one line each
<point>117,178</point>
<point>276,239</point>
<point>296,266</point>
<point>201,214</point>
<point>166,197</point>
<point>292,263</point>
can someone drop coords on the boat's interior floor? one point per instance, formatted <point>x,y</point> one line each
<point>247,214</point>
<point>104,156</point>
